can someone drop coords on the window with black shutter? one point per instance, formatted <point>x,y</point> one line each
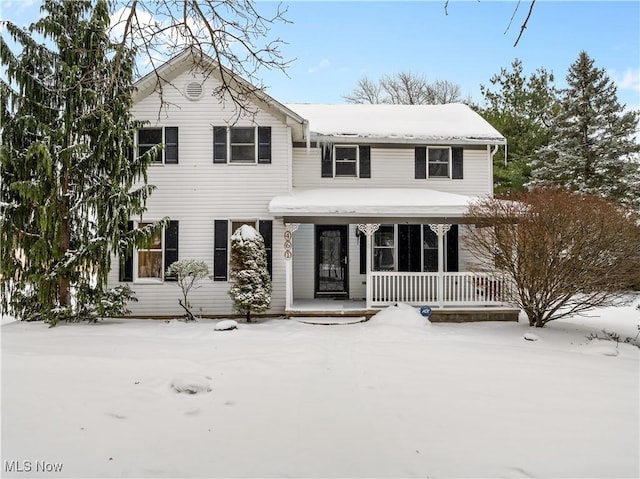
<point>264,144</point>
<point>327,161</point>
<point>171,145</point>
<point>365,161</point>
<point>421,163</point>
<point>242,144</point>
<point>148,138</point>
<point>170,247</point>
<point>220,244</point>
<point>457,163</point>
<point>126,262</point>
<point>219,144</point>
<point>265,228</point>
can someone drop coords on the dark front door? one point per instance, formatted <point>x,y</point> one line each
<point>331,261</point>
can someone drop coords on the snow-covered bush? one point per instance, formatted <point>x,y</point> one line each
<point>94,304</point>
<point>188,273</point>
<point>251,289</point>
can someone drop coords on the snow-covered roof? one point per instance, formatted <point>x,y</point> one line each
<point>399,123</point>
<point>369,203</point>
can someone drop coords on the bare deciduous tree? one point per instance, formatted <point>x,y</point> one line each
<point>404,88</point>
<point>564,252</point>
<point>234,33</point>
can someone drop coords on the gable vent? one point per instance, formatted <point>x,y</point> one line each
<point>194,90</point>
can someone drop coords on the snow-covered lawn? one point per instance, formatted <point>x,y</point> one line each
<point>392,397</point>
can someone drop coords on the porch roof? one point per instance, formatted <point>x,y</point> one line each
<point>370,205</point>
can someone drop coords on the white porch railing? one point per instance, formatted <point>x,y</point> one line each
<point>434,289</point>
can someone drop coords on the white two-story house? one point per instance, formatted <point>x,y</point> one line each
<point>360,206</point>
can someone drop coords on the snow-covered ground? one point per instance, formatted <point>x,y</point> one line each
<point>392,397</point>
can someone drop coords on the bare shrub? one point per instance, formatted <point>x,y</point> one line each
<point>564,252</point>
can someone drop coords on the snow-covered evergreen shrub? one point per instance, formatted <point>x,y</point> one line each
<point>188,273</point>
<point>251,289</point>
<point>94,304</point>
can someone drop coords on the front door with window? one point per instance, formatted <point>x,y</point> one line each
<point>331,261</point>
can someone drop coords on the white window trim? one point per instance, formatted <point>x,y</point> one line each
<point>136,279</point>
<point>449,166</point>
<point>255,147</point>
<point>335,159</point>
<point>394,249</point>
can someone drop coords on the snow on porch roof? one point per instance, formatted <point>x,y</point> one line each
<point>438,123</point>
<point>369,203</point>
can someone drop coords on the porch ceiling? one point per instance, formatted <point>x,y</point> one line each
<point>370,205</point>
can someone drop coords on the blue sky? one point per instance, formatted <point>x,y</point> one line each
<point>336,43</point>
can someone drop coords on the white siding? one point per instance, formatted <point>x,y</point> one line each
<point>465,259</point>
<point>303,262</point>
<point>196,192</point>
<point>394,168</point>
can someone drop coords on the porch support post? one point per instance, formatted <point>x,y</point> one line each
<point>368,230</point>
<point>440,230</point>
<point>289,228</point>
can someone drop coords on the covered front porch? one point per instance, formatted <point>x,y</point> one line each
<point>355,254</point>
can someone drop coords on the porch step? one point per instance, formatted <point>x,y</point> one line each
<point>327,321</point>
<point>474,315</point>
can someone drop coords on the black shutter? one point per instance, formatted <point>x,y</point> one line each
<point>171,145</point>
<point>265,228</point>
<point>409,246</point>
<point>365,162</point>
<point>219,144</point>
<point>457,156</point>
<point>126,263</point>
<point>264,144</point>
<point>452,249</point>
<point>363,251</point>
<point>170,247</point>
<point>220,241</point>
<point>327,161</point>
<point>421,162</point>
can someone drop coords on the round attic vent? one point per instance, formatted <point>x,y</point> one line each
<point>194,90</point>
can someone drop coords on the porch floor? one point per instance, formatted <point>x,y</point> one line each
<point>331,308</point>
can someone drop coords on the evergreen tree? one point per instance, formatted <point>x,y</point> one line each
<point>69,184</point>
<point>251,290</point>
<point>521,109</point>
<point>592,148</point>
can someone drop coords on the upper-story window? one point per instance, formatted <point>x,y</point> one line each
<point>348,161</point>
<point>439,162</point>
<point>241,145</point>
<point>150,137</point>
